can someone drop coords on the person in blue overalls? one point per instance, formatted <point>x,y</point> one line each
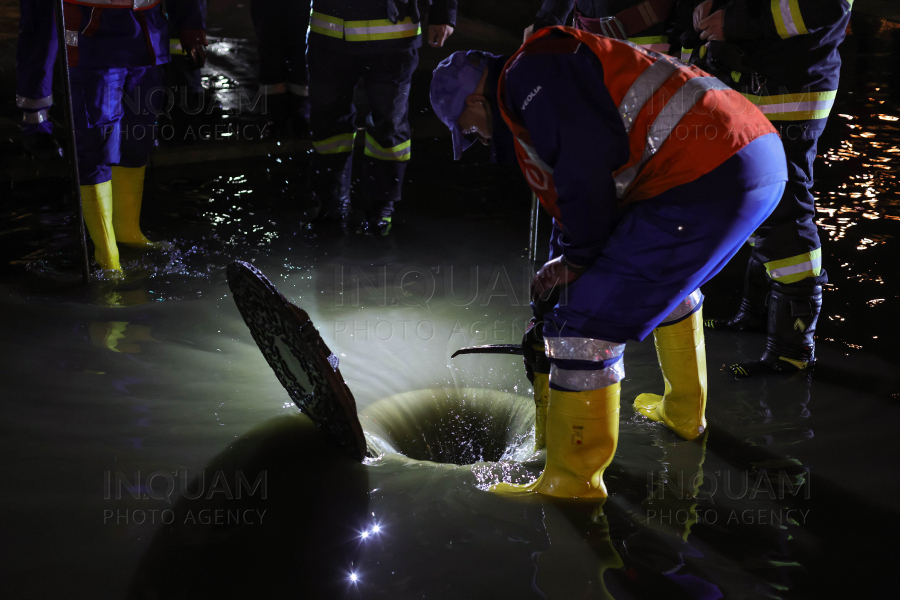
<point>115,51</point>
<point>35,56</point>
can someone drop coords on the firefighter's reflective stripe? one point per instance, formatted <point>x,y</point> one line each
<point>788,20</point>
<point>796,268</point>
<point>297,89</point>
<point>753,240</point>
<point>400,152</point>
<point>342,142</point>
<point>657,43</point>
<point>132,4</point>
<point>686,54</point>
<point>35,117</point>
<point>34,103</point>
<point>579,381</point>
<point>795,107</point>
<point>380,29</point>
<point>175,46</point>
<point>363,31</point>
<point>579,348</point>
<point>684,99</point>
<point>330,26</point>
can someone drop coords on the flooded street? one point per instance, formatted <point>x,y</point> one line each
<point>150,452</point>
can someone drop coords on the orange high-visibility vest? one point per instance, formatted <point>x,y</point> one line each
<point>682,123</point>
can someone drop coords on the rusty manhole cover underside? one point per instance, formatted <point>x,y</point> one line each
<point>304,365</point>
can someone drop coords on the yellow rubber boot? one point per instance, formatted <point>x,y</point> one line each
<point>127,193</point>
<point>97,205</point>
<point>582,432</point>
<point>682,356</point>
<point>541,401</point>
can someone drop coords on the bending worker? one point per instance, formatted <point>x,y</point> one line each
<point>654,173</point>
<point>115,50</point>
<point>783,57</point>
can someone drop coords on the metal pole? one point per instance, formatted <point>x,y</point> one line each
<point>70,146</point>
<point>533,234</point>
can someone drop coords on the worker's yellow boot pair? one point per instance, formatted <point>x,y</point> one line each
<point>682,356</point>
<point>582,429</point>
<point>112,213</point>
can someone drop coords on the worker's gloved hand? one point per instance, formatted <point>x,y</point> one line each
<point>193,42</point>
<point>438,34</point>
<point>533,349</point>
<point>552,276</point>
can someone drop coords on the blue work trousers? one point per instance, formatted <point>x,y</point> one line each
<point>115,114</point>
<point>665,247</point>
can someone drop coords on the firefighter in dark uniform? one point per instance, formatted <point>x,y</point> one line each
<point>281,29</point>
<point>378,42</point>
<point>641,22</point>
<point>35,55</point>
<point>783,56</point>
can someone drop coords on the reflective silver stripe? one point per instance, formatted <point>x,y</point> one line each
<point>753,240</point>
<point>684,308</point>
<point>787,18</point>
<point>796,106</point>
<point>681,103</point>
<point>34,103</point>
<point>34,118</point>
<point>338,27</point>
<point>578,348</point>
<point>533,155</point>
<point>580,381</point>
<point>643,89</point>
<point>273,88</point>
<point>811,265</point>
<point>71,38</point>
<point>298,90</point>
<point>380,29</point>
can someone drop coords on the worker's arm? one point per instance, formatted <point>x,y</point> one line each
<point>441,21</point>
<point>577,132</point>
<point>186,24</point>
<point>752,19</point>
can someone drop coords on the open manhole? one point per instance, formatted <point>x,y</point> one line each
<point>452,426</point>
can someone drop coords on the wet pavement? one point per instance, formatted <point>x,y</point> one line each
<point>149,451</point>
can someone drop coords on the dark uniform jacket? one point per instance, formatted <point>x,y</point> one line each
<point>374,26</point>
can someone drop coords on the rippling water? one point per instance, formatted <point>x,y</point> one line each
<point>789,495</point>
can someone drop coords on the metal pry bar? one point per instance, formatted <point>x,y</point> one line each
<point>490,349</point>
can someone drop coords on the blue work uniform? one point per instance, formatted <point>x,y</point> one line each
<point>115,56</point>
<point>35,56</point>
<point>377,42</point>
<point>643,264</point>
